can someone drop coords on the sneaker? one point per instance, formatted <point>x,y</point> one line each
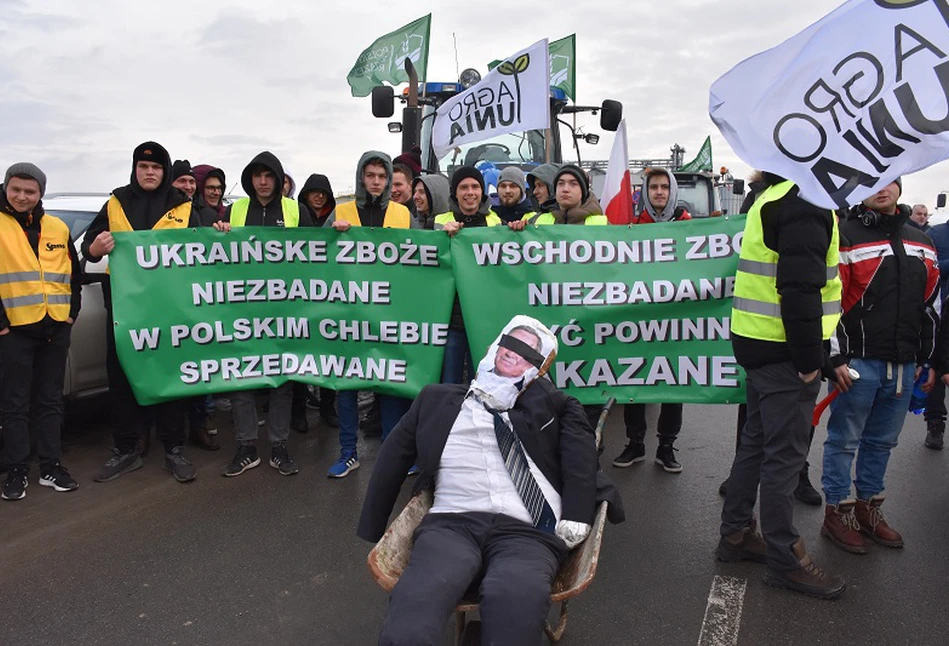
<point>347,462</point>
<point>666,457</point>
<point>870,518</point>
<point>118,465</point>
<point>180,466</point>
<point>935,429</point>
<point>56,476</point>
<point>807,578</point>
<point>281,461</point>
<point>842,529</point>
<point>744,545</point>
<point>632,454</point>
<point>245,458</point>
<point>14,487</point>
<point>805,491</point>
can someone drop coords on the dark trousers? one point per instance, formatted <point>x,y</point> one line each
<point>936,402</point>
<point>743,417</point>
<point>128,417</point>
<point>670,422</point>
<point>300,394</point>
<point>773,449</point>
<point>31,393</point>
<point>512,563</point>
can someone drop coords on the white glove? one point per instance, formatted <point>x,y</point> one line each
<point>572,533</point>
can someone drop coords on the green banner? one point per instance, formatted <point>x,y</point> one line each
<point>702,161</point>
<point>383,60</point>
<point>641,313</point>
<point>199,311</point>
<point>563,65</point>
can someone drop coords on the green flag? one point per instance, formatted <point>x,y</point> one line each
<point>382,61</point>
<point>702,161</point>
<point>563,65</point>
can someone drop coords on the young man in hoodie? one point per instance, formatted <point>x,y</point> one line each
<point>373,207</point>
<point>541,181</point>
<point>183,178</point>
<point>513,203</point>
<point>659,205</point>
<point>469,208</point>
<point>316,196</point>
<point>211,186</point>
<point>430,195</point>
<point>40,296</point>
<point>262,180</point>
<point>887,334</point>
<point>148,202</point>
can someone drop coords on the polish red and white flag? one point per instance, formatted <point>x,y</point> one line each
<point>617,189</point>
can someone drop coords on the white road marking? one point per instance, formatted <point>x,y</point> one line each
<point>723,612</point>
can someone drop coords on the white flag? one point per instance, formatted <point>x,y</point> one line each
<point>513,97</point>
<point>847,105</point>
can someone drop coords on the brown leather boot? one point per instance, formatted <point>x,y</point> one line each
<point>873,524</point>
<point>842,529</point>
<point>202,439</point>
<point>743,545</point>
<point>807,578</point>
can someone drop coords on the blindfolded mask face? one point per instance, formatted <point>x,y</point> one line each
<point>521,354</point>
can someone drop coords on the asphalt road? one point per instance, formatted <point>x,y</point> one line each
<point>265,559</point>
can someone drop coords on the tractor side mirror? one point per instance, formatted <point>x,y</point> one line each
<point>383,101</point>
<point>611,113</point>
<point>941,201</point>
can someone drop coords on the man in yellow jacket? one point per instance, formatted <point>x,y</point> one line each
<point>40,294</point>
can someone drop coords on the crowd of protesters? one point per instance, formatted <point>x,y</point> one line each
<point>850,297</point>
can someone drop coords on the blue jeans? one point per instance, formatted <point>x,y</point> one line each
<point>869,417</point>
<point>391,409</point>
<point>456,352</point>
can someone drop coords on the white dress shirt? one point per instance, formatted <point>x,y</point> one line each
<point>472,476</point>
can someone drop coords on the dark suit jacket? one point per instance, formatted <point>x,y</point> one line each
<point>551,425</point>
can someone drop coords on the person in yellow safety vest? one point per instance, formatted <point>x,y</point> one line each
<point>469,208</point>
<point>148,202</point>
<point>373,207</point>
<point>785,309</point>
<point>40,296</point>
<point>263,180</point>
<point>576,204</point>
<point>265,206</point>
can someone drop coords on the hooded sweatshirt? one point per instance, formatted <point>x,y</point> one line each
<point>31,229</point>
<point>372,210</point>
<point>271,214</point>
<point>437,189</point>
<point>516,212</point>
<point>142,208</point>
<point>317,182</point>
<point>201,174</point>
<point>546,174</point>
<point>670,211</point>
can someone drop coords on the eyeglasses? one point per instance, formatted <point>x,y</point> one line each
<point>215,189</point>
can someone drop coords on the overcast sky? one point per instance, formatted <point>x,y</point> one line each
<point>217,82</point>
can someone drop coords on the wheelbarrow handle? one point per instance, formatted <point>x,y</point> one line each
<point>601,421</point>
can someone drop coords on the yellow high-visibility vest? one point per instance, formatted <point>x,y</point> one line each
<point>491,219</point>
<point>396,217</point>
<point>756,306</point>
<point>33,287</point>
<point>548,218</point>
<point>290,208</point>
<point>176,218</point>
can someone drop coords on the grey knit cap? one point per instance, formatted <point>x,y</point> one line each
<point>30,170</point>
<point>513,174</point>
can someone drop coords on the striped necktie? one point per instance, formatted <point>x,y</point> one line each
<point>516,462</point>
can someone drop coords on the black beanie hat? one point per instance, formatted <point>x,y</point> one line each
<point>150,152</point>
<point>577,172</point>
<point>467,172</point>
<point>180,168</point>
